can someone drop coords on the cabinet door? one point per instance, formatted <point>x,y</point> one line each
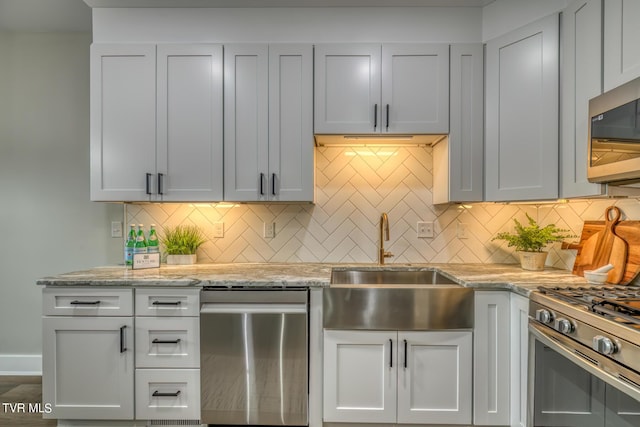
<point>291,146</point>
<point>360,376</point>
<point>189,122</point>
<point>521,146</point>
<point>491,358</point>
<point>434,377</point>
<point>87,370</point>
<point>519,359</point>
<point>246,122</point>
<point>123,121</point>
<point>582,80</point>
<point>415,88</point>
<point>622,410</point>
<point>347,88</point>
<point>458,162</point>
<point>621,35</point>
<point>566,394</point>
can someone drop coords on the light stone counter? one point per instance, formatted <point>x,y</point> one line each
<point>484,276</point>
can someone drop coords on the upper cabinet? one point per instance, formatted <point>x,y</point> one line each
<point>151,144</point>
<point>621,35</point>
<point>521,146</point>
<point>582,80</point>
<point>393,88</point>
<point>268,123</point>
<point>458,161</point>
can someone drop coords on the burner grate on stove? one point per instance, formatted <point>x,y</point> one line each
<point>620,303</point>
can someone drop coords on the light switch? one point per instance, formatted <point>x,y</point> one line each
<point>116,229</point>
<point>218,229</point>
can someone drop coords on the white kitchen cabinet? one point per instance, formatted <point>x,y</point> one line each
<point>369,377</point>
<point>88,363</point>
<point>521,145</point>
<point>458,161</point>
<point>393,88</point>
<point>491,360</point>
<point>123,121</point>
<point>519,363</point>
<point>167,348</point>
<point>582,80</point>
<point>621,34</point>
<point>156,122</point>
<point>268,123</point>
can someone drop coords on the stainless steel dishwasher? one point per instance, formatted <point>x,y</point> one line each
<point>254,357</point>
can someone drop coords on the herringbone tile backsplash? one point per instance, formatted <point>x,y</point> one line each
<point>353,187</point>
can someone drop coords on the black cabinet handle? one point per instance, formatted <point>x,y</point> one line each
<point>76,302</point>
<point>157,341</point>
<point>148,184</point>
<point>158,394</point>
<point>166,303</point>
<point>387,117</point>
<point>375,116</point>
<point>273,184</point>
<point>390,353</point>
<point>261,184</point>
<point>405,354</point>
<point>161,181</point>
<point>122,343</point>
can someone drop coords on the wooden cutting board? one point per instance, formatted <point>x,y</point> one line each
<point>590,253</point>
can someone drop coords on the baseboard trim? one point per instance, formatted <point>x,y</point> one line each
<point>20,364</point>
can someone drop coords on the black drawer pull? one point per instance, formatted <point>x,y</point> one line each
<point>148,184</point>
<point>157,341</point>
<point>76,302</point>
<point>166,303</point>
<point>158,394</point>
<point>161,180</point>
<point>390,353</point>
<point>375,116</point>
<point>405,354</point>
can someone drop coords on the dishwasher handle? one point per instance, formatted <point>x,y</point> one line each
<point>273,308</point>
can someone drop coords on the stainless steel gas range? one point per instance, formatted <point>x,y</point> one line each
<point>585,356</point>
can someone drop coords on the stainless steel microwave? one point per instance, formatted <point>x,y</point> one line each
<point>614,135</point>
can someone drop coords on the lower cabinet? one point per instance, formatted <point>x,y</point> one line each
<point>167,354</point>
<point>88,358</point>
<point>405,377</point>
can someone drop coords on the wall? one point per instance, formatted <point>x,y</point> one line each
<point>48,224</point>
<point>354,186</point>
<point>304,25</point>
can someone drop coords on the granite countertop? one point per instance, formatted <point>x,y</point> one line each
<point>482,276</point>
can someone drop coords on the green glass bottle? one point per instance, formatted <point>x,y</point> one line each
<point>141,243</point>
<point>152,243</point>
<point>129,245</point>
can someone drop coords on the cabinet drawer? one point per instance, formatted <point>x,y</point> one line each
<point>87,302</point>
<point>167,394</point>
<point>167,302</point>
<point>167,342</point>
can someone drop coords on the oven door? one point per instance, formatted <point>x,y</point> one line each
<point>569,385</point>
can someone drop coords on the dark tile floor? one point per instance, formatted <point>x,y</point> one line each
<point>21,390</point>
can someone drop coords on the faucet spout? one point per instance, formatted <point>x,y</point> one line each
<point>384,235</point>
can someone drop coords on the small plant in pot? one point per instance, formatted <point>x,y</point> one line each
<point>530,240</point>
<point>180,244</point>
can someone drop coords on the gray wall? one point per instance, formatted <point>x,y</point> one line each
<point>48,225</point>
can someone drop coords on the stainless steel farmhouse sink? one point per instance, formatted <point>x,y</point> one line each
<point>389,277</point>
<point>396,300</point>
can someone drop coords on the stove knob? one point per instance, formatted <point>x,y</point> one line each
<point>564,326</point>
<point>604,345</point>
<point>544,316</point>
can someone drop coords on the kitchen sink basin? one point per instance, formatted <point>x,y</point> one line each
<point>396,300</point>
<point>389,277</point>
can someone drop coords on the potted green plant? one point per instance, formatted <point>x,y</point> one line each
<point>180,244</point>
<point>530,240</point>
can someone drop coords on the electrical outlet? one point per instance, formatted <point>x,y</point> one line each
<point>462,230</point>
<point>269,230</point>
<point>116,229</point>
<point>218,229</point>
<point>424,229</point>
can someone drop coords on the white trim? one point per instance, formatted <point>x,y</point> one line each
<point>20,364</point>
